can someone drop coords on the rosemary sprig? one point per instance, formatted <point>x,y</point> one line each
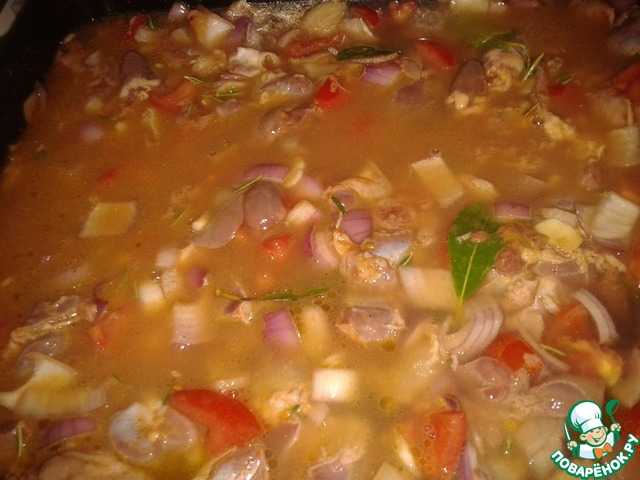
<point>248,185</point>
<point>339,204</point>
<point>531,67</point>
<point>284,295</point>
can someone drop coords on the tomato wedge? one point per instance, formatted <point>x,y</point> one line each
<point>439,438</point>
<point>174,102</point>
<point>330,93</point>
<point>434,53</point>
<point>230,423</point>
<point>368,15</point>
<point>276,247</point>
<point>514,352</point>
<point>107,328</point>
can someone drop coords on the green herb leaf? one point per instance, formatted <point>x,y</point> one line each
<point>473,244</point>
<point>339,204</point>
<point>532,66</point>
<point>406,261</point>
<point>248,185</point>
<point>285,295</point>
<point>362,52</point>
<point>497,40</point>
<point>531,110</point>
<point>565,79</point>
<point>196,80</point>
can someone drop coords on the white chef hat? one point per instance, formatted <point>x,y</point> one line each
<point>585,416</point>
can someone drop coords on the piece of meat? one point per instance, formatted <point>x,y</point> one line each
<point>136,77</point>
<point>470,81</point>
<point>48,317</point>
<point>367,324</point>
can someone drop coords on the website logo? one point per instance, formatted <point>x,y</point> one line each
<point>593,440</point>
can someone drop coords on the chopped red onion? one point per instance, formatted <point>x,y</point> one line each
<point>196,277</point>
<point>239,33</point>
<point>65,428</point>
<point>383,74</point>
<point>505,210</point>
<point>604,323</point>
<point>291,86</point>
<point>280,328</point>
<point>357,225</point>
<point>269,172</point>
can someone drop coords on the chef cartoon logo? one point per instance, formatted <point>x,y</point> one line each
<point>590,439</point>
<point>596,440</point>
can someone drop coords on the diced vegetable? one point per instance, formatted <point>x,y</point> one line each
<point>323,19</point>
<point>106,328</point>
<point>330,93</point>
<point>434,54</point>
<point>280,328</point>
<point>370,16</point>
<point>109,219</point>
<point>623,146</point>
<point>429,287</point>
<point>210,29</point>
<point>229,422</point>
<point>513,352</point>
<point>438,439</point>
<point>613,220</point>
<point>334,385</point>
<point>559,234</point>
<point>439,180</point>
<point>176,101</point>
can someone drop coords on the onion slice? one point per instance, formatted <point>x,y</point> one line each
<point>280,328</point>
<point>269,172</point>
<point>383,74</point>
<point>485,321</point>
<point>357,225</point>
<point>604,323</point>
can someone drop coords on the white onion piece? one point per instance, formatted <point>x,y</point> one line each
<point>484,322</point>
<point>210,29</point>
<point>357,225</point>
<point>222,226</point>
<point>263,206</point>
<point>142,432</point>
<point>506,210</point>
<point>613,220</point>
<point>191,324</point>
<point>302,213</point>
<point>269,172</point>
<point>334,385</point>
<point>383,74</point>
<point>178,11</point>
<point>388,472</point>
<point>167,257</point>
<point>439,180</point>
<point>604,323</point>
<point>60,430</point>
<point>246,463</point>
<point>468,467</point>
<point>280,328</point>
<point>150,294</point>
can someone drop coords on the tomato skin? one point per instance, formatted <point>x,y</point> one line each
<point>174,102</point>
<point>106,329</point>
<point>434,53</point>
<point>368,15</point>
<point>515,354</point>
<point>277,247</point>
<point>566,99</point>
<point>628,81</point>
<point>229,422</point>
<point>571,323</point>
<point>135,23</point>
<point>330,94</point>
<point>439,438</point>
